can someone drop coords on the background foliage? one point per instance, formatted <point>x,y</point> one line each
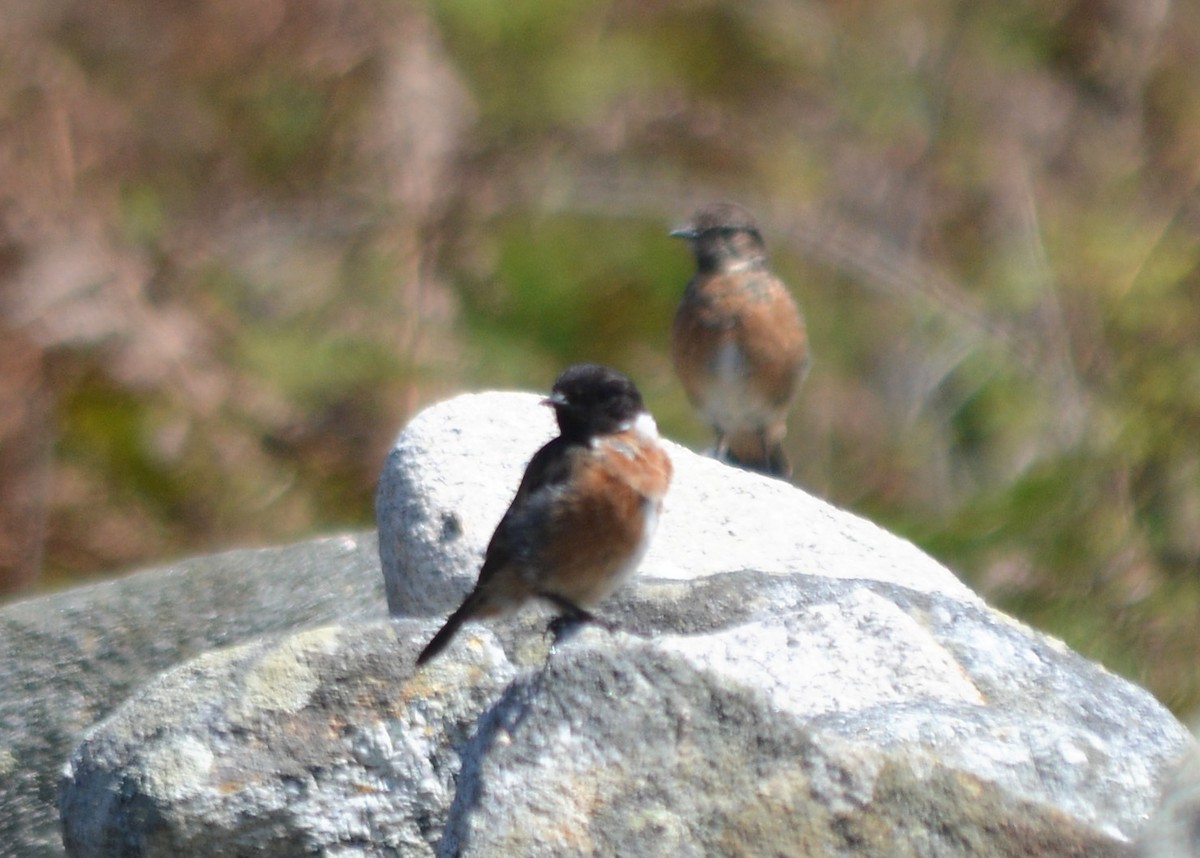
<point>240,242</point>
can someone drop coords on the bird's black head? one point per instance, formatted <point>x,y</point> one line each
<point>590,399</point>
<point>723,233</point>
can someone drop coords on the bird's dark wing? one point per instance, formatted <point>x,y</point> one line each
<point>547,471</point>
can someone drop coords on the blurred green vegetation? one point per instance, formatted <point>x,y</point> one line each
<point>241,243</point>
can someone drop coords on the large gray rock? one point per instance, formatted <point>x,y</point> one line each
<point>849,697</point>
<point>737,715</point>
<point>69,659</point>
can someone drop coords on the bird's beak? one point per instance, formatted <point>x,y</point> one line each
<point>554,400</point>
<point>687,232</point>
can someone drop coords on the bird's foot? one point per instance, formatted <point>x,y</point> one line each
<point>562,627</point>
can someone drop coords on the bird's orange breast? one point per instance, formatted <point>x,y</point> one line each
<point>740,347</point>
<point>602,527</point>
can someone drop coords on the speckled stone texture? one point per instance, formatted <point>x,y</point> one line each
<point>69,659</point>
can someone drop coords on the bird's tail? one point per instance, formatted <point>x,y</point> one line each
<point>439,641</point>
<point>758,450</point>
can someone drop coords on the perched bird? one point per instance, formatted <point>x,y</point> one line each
<point>738,340</point>
<point>585,511</point>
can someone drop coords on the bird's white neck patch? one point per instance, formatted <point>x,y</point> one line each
<point>644,424</point>
<point>740,265</point>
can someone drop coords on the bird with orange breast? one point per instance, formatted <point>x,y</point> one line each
<point>738,340</point>
<point>584,512</point>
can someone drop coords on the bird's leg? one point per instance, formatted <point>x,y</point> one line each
<point>721,453</point>
<point>571,618</point>
<point>562,628</point>
<point>775,460</point>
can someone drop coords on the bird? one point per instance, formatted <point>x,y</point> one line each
<point>584,512</point>
<point>738,340</point>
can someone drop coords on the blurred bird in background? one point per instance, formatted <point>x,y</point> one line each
<point>738,340</point>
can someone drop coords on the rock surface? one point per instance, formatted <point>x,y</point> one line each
<point>746,724</point>
<point>788,679</point>
<point>68,659</point>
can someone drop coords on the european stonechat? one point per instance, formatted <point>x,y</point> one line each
<point>584,512</point>
<point>738,340</point>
